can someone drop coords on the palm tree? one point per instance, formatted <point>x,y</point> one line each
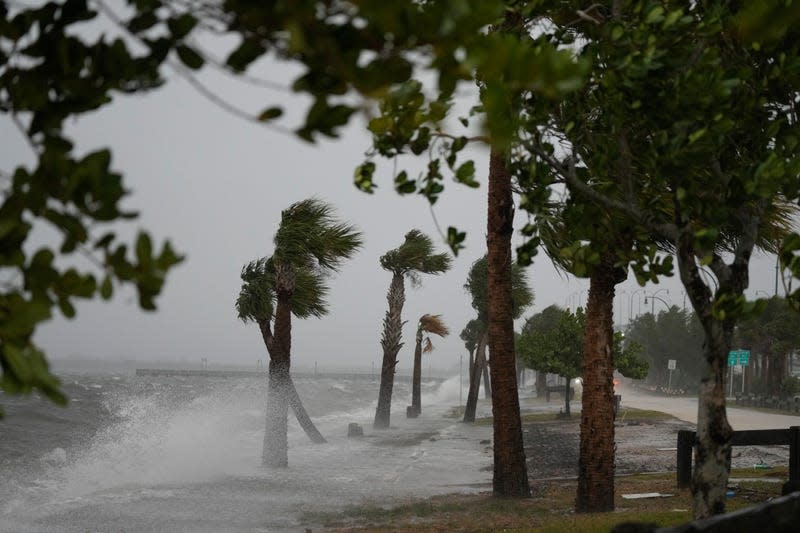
<point>471,336</point>
<point>431,325</point>
<point>412,258</point>
<point>309,244</point>
<point>478,288</point>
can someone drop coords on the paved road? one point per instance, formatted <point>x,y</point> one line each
<point>740,418</point>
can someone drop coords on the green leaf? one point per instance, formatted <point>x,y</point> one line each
<point>106,288</point>
<point>672,18</point>
<point>142,22</point>
<point>380,125</point>
<point>696,135</point>
<point>271,113</point>
<point>189,57</point>
<point>363,177</point>
<point>181,26</point>
<point>66,307</point>
<point>403,185</point>
<point>245,54</point>
<point>654,15</point>
<point>455,239</point>
<point>144,249</point>
<point>466,174</point>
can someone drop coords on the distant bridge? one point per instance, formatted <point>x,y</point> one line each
<point>172,372</point>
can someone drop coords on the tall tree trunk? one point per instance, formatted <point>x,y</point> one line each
<point>567,398</point>
<point>487,384</point>
<point>596,458</point>
<point>302,416</point>
<point>510,470</point>
<point>712,448</point>
<point>471,364</point>
<point>541,384</point>
<point>416,393</point>
<point>275,449</point>
<point>392,331</point>
<point>475,380</point>
<point>291,393</point>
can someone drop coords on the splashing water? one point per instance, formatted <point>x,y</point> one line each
<point>184,455</point>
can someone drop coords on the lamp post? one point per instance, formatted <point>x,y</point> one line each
<point>777,263</point>
<point>711,277</point>
<point>630,304</point>
<point>621,303</point>
<point>653,303</point>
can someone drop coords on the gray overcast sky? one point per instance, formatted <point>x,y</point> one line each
<point>215,185</point>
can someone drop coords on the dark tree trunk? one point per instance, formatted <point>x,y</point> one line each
<point>471,364</point>
<point>275,451</point>
<point>541,384</point>
<point>510,470</point>
<point>712,448</point>
<point>475,379</point>
<point>392,331</point>
<point>487,384</point>
<point>596,458</point>
<point>416,393</point>
<point>567,398</point>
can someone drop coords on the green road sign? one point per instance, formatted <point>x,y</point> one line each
<point>738,357</point>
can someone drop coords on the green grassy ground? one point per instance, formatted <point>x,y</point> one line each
<point>549,510</point>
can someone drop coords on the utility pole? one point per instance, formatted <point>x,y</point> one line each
<point>777,262</point>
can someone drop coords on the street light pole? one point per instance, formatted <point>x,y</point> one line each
<point>630,304</point>
<point>653,303</point>
<point>777,262</point>
<point>653,298</point>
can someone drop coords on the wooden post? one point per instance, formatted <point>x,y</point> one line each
<point>794,461</point>
<point>686,440</point>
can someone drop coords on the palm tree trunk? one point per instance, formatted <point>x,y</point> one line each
<point>487,385</point>
<point>471,364</point>
<point>302,416</point>
<point>392,330</point>
<point>475,380</point>
<point>294,399</point>
<point>596,458</point>
<point>416,393</point>
<point>510,470</point>
<point>275,450</point>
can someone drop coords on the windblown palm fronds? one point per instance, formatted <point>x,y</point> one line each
<point>433,324</point>
<point>477,286</point>
<point>415,256</point>
<point>309,231</point>
<point>257,298</point>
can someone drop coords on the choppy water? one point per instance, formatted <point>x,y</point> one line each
<point>183,454</point>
